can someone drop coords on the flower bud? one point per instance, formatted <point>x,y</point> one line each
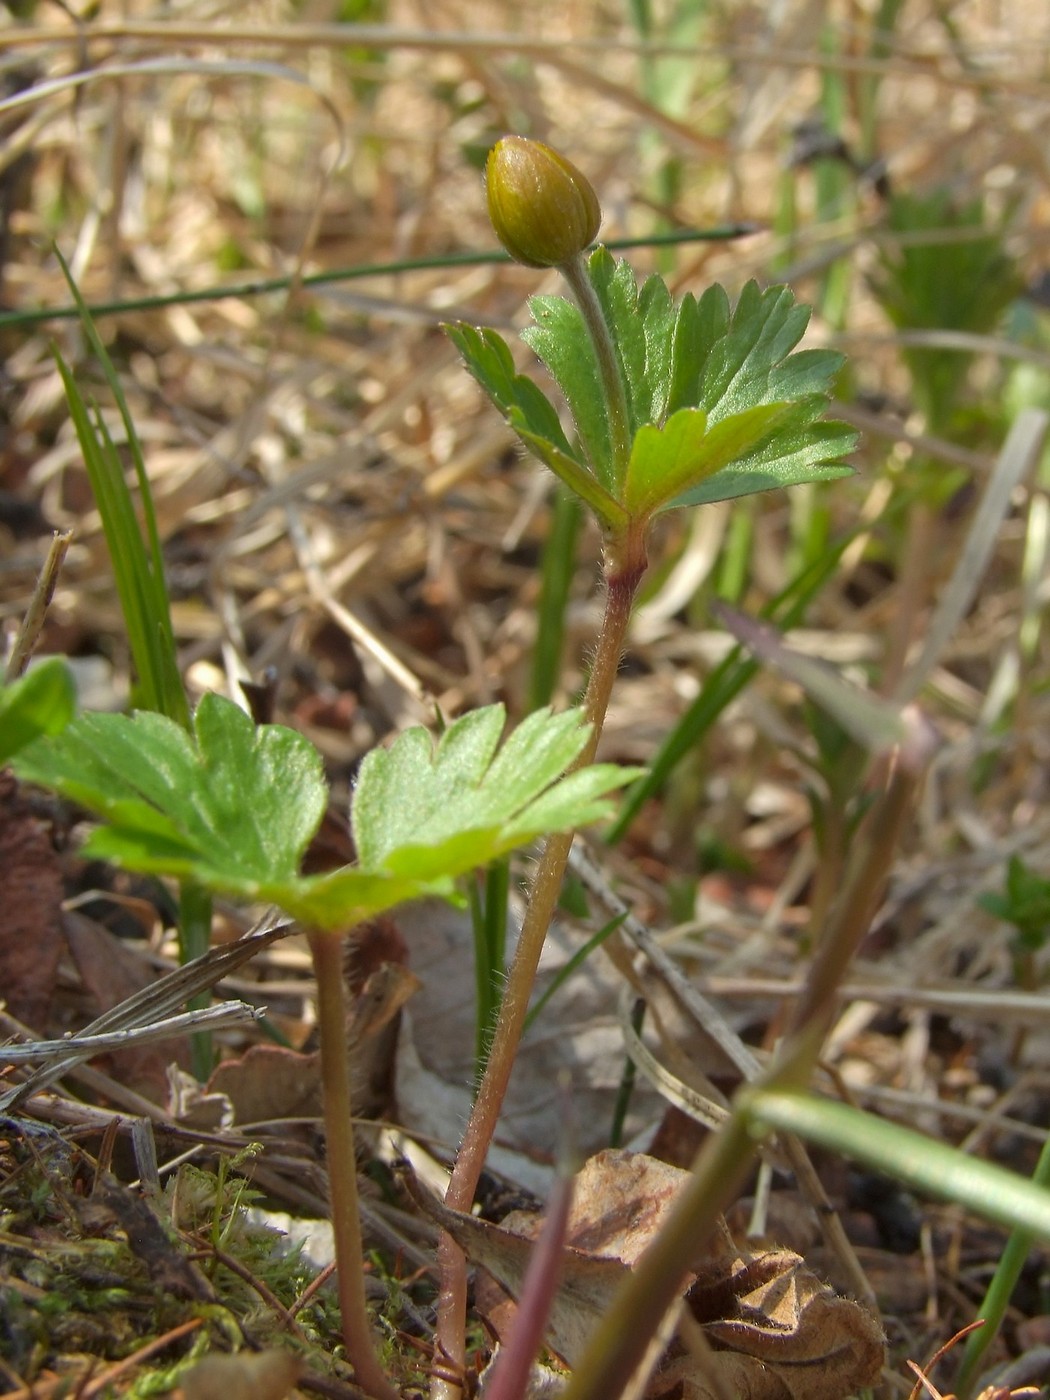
<point>543,209</point>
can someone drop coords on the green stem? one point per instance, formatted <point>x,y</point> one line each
<point>575,273</point>
<point>1000,1290</point>
<point>489,917</point>
<point>327,953</point>
<point>622,1337</point>
<point>620,591</point>
<point>194,941</point>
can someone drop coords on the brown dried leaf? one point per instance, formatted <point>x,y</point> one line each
<point>588,1280</point>
<point>31,910</point>
<point>112,973</point>
<point>778,1333</point>
<point>619,1202</point>
<point>269,1082</point>
<point>775,1331</point>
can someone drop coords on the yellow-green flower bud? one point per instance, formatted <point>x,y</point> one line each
<point>543,209</point>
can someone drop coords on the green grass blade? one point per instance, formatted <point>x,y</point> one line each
<point>266,286</point>
<point>138,566</point>
<point>138,570</point>
<point>627,1081</point>
<point>137,562</point>
<point>556,575</point>
<point>577,960</point>
<point>489,918</point>
<point>922,1163</point>
<point>1000,1291</point>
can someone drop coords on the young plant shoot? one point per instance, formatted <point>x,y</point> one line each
<point>234,806</point>
<point>672,405</point>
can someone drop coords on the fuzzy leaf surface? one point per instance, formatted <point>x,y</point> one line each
<point>667,461</point>
<point>531,414</point>
<point>522,403</point>
<point>40,702</point>
<point>462,802</point>
<point>642,324</point>
<point>803,447</point>
<point>561,340</point>
<point>233,805</point>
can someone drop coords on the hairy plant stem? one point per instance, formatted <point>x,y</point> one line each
<point>326,950</point>
<point>621,586</point>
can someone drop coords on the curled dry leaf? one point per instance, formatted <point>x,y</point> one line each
<point>775,1332</point>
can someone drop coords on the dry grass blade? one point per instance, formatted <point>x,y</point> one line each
<point>1017,459</point>
<point>147,1010</point>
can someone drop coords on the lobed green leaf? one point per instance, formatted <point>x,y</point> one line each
<point>803,447</point>
<point>429,810</point>
<point>521,402</point>
<point>667,461</point>
<point>40,702</point>
<point>642,325</point>
<point>561,340</point>
<point>233,805</point>
<point>531,414</point>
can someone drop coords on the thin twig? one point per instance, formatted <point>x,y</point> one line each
<point>43,592</point>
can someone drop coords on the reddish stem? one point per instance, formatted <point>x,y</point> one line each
<point>621,586</point>
<point>327,953</point>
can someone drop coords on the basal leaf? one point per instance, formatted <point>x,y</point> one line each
<point>421,811</point>
<point>535,755</point>
<point>340,899</point>
<point>264,785</point>
<point>575,800</point>
<point>401,790</point>
<point>233,805</point>
<point>40,702</point>
<point>578,800</point>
